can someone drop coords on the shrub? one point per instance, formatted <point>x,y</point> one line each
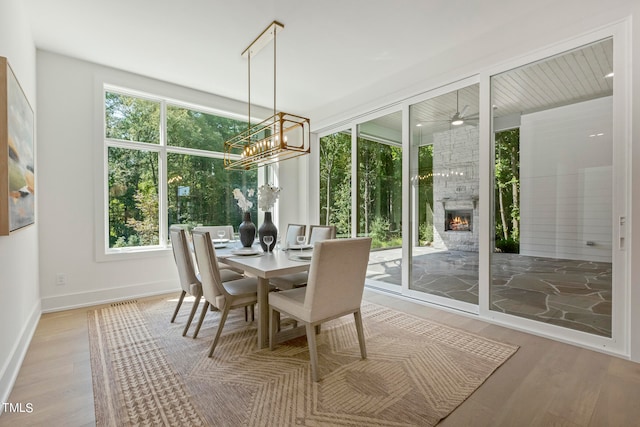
<point>510,246</point>
<point>379,229</point>
<point>426,233</point>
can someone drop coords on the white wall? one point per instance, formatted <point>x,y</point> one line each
<point>566,182</point>
<point>19,293</point>
<point>69,125</point>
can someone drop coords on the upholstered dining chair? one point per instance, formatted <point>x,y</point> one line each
<point>321,232</point>
<point>296,280</point>
<point>189,280</point>
<point>335,287</point>
<point>293,231</point>
<point>214,229</point>
<point>224,295</point>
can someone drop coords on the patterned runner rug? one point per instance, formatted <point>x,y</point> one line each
<point>146,373</point>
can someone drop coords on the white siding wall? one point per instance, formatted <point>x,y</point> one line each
<point>566,182</point>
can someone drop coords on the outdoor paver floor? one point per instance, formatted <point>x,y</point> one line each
<point>570,293</point>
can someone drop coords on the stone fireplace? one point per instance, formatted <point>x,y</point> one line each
<point>456,187</point>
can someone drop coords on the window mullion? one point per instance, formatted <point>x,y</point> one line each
<point>163,204</point>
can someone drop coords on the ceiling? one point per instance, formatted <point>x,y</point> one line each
<point>329,50</point>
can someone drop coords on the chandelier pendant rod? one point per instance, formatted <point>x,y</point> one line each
<point>249,87</point>
<point>275,32</point>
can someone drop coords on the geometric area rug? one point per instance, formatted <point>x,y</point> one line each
<point>146,373</point>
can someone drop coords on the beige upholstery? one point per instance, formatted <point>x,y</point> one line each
<point>213,230</point>
<point>224,295</point>
<point>189,283</point>
<point>335,286</point>
<point>297,280</point>
<point>189,280</point>
<point>293,231</point>
<point>321,232</point>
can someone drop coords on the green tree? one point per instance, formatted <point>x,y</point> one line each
<point>507,185</point>
<point>425,193</point>
<point>380,187</point>
<point>199,189</point>
<point>335,177</point>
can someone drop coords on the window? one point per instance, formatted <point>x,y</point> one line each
<point>165,166</point>
<point>379,172</point>
<point>335,181</point>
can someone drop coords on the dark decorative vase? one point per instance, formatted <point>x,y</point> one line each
<point>247,231</point>
<point>268,228</point>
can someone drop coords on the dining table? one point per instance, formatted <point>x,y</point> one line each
<point>264,266</point>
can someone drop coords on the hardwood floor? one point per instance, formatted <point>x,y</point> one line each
<point>545,383</point>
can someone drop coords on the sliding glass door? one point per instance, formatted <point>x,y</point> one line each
<point>445,194</point>
<point>554,190</point>
<point>378,198</point>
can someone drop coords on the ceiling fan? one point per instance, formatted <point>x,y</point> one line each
<point>460,117</point>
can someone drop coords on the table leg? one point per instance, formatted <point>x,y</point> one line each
<point>263,312</point>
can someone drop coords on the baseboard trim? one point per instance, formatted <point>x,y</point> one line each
<point>10,370</point>
<point>104,296</point>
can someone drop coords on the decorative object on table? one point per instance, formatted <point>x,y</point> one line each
<point>16,154</point>
<point>280,137</point>
<point>247,229</point>
<point>267,196</point>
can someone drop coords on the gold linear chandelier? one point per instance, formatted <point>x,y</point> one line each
<point>280,137</point>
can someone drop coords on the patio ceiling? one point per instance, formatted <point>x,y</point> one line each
<point>577,76</point>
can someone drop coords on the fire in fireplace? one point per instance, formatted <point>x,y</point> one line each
<point>458,220</point>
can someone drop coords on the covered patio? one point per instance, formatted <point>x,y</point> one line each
<point>570,293</point>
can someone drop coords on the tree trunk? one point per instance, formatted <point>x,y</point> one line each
<point>505,230</point>
<point>328,198</point>
<point>514,220</point>
<point>515,194</point>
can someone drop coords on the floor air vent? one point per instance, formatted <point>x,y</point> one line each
<point>131,301</point>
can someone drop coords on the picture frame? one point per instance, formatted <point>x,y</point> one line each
<point>17,169</point>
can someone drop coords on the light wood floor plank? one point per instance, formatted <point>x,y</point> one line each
<point>546,383</point>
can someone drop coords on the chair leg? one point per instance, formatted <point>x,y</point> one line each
<point>194,309</point>
<point>252,307</point>
<point>358,318</point>
<point>175,313</point>
<point>313,351</point>
<point>202,314</point>
<point>223,319</point>
<point>274,326</point>
<point>318,329</point>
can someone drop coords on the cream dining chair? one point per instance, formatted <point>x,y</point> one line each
<point>321,232</point>
<point>296,280</point>
<point>293,231</point>
<point>224,295</point>
<point>228,234</point>
<point>189,280</point>
<point>335,287</point>
<point>214,229</point>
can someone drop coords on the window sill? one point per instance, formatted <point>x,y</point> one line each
<point>122,254</point>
